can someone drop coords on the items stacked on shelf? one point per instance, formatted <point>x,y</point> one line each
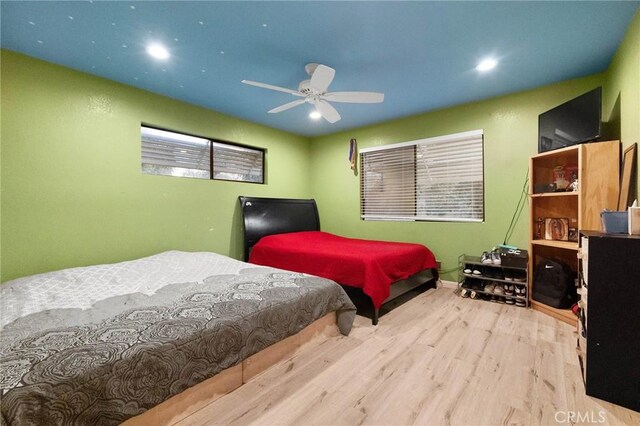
<point>490,280</point>
<point>569,188</point>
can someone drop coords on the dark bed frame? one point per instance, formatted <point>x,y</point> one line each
<point>268,216</point>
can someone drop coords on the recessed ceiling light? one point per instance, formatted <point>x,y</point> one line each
<point>157,51</point>
<point>315,115</point>
<point>487,64</point>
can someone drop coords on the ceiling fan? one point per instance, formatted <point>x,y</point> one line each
<point>314,91</point>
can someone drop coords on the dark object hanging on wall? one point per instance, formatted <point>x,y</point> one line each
<point>353,155</point>
<point>575,121</point>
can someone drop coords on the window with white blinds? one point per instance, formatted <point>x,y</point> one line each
<point>232,162</point>
<point>435,179</point>
<point>176,154</point>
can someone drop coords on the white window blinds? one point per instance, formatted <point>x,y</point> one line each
<point>237,163</point>
<point>177,154</point>
<point>435,179</point>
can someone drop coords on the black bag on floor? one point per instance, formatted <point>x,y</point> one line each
<point>553,284</point>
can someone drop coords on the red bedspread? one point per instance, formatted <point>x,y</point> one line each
<point>370,265</point>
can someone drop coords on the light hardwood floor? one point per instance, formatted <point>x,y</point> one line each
<point>438,359</point>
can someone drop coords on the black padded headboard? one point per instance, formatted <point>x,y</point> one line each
<point>268,216</point>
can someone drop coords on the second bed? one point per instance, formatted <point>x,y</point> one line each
<point>285,233</point>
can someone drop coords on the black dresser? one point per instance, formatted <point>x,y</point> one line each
<point>609,329</point>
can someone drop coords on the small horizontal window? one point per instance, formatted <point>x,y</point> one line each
<point>176,154</point>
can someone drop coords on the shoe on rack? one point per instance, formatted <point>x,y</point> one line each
<point>509,289</point>
<point>486,257</point>
<point>523,290</point>
<point>489,287</point>
<point>495,257</point>
<point>508,275</point>
<point>501,300</point>
<point>521,303</point>
<point>467,271</point>
<point>477,272</point>
<point>519,277</point>
<point>499,290</point>
<point>510,301</point>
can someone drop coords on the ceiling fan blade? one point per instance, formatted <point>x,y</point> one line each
<point>288,106</point>
<point>328,112</point>
<point>322,78</point>
<point>355,97</point>
<point>272,87</point>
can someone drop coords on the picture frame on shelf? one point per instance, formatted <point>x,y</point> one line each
<point>573,235</point>
<point>556,228</point>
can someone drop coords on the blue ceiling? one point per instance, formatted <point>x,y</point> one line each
<point>421,55</point>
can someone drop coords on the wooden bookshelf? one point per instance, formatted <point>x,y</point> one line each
<point>597,166</point>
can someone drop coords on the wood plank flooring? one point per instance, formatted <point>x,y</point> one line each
<point>438,359</point>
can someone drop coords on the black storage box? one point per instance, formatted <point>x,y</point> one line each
<point>515,258</point>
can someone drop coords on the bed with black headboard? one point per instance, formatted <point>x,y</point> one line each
<point>269,218</point>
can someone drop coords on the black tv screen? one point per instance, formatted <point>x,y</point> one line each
<point>573,122</point>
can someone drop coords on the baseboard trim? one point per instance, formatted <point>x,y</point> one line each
<point>449,284</point>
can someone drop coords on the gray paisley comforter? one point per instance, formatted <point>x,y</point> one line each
<point>100,344</point>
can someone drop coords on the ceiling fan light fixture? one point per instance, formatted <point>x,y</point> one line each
<point>314,91</point>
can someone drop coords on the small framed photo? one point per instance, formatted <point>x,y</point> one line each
<point>573,234</point>
<point>556,228</point>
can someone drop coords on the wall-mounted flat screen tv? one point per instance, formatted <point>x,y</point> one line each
<point>573,122</point>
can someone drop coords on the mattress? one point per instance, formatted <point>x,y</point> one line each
<point>370,265</point>
<point>100,344</point>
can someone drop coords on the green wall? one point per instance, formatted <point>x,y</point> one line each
<point>72,190</point>
<point>621,102</point>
